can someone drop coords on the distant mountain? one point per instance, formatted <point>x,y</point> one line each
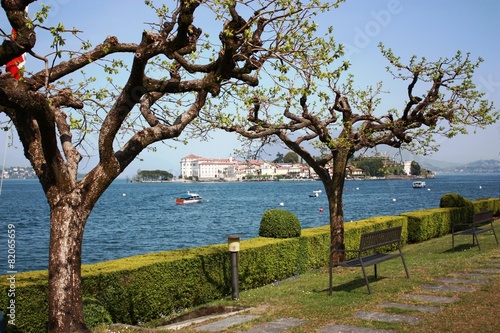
<point>481,166</point>
<point>439,166</point>
<point>435,165</point>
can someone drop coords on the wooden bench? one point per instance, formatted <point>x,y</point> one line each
<point>481,222</point>
<point>370,252</point>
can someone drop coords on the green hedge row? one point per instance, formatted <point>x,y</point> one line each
<point>430,223</point>
<point>141,288</point>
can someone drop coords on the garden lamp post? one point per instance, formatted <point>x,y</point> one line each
<point>233,242</point>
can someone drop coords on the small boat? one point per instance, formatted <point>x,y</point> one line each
<point>188,198</point>
<point>418,184</point>
<point>315,194</point>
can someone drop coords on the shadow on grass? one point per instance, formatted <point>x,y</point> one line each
<point>354,284</point>
<point>462,247</point>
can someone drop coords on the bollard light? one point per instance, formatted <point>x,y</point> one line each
<point>233,244</point>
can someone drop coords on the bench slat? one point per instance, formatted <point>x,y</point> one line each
<point>380,238</point>
<point>368,260</point>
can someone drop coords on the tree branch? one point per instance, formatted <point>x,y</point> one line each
<point>109,46</point>
<point>24,38</point>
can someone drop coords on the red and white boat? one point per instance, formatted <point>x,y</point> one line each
<point>188,198</point>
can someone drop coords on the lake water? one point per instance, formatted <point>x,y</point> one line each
<point>137,218</point>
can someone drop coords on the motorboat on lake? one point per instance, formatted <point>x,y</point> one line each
<point>315,194</point>
<point>188,198</point>
<point>418,184</point>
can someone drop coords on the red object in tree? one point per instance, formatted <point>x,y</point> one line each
<point>15,65</point>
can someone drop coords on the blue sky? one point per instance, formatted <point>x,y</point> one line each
<point>425,28</point>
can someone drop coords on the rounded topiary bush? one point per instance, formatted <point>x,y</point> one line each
<point>452,200</point>
<point>449,200</point>
<point>279,223</point>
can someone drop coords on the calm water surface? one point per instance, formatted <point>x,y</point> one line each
<point>136,218</point>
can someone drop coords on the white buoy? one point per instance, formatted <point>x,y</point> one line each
<point>282,203</point>
<point>393,199</point>
<point>428,189</point>
<point>124,195</point>
<point>480,187</point>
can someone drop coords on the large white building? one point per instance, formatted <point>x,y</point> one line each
<point>202,168</point>
<point>207,169</point>
<point>213,169</point>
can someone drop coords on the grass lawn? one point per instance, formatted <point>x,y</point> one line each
<point>307,297</point>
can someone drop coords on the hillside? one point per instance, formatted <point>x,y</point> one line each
<point>481,166</point>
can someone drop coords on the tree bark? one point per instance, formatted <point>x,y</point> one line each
<point>66,235</point>
<point>334,191</point>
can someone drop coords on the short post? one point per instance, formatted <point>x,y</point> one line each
<point>233,242</point>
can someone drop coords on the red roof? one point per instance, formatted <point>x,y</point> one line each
<point>192,157</point>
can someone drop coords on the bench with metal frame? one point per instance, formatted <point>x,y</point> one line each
<point>481,222</point>
<point>371,252</point>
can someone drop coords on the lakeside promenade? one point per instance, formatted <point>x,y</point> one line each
<point>447,288</point>
<point>461,296</point>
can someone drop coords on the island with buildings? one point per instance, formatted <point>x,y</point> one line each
<point>197,168</point>
<point>18,172</point>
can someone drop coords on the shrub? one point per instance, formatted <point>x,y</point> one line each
<point>279,223</point>
<point>94,313</point>
<point>450,200</point>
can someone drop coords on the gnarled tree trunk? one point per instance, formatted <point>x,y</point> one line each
<point>66,235</point>
<point>69,211</point>
<point>334,188</point>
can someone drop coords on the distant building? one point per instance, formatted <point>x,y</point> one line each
<point>18,172</point>
<point>201,168</point>
<point>352,171</point>
<point>188,164</point>
<point>407,167</point>
<point>210,169</point>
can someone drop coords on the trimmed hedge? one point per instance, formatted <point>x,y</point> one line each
<point>141,288</point>
<point>430,223</point>
<point>487,204</point>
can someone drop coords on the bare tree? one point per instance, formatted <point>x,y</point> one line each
<point>170,75</point>
<point>344,120</point>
